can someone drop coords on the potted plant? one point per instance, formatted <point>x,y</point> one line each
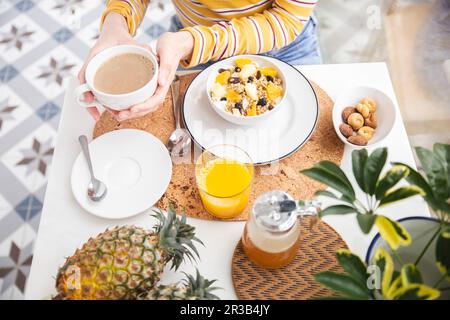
<point>409,258</point>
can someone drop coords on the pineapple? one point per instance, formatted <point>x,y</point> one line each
<point>124,261</point>
<point>191,288</point>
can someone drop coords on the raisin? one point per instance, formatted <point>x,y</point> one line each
<point>262,102</point>
<point>258,75</point>
<point>237,69</point>
<point>222,70</point>
<point>271,107</point>
<point>238,105</point>
<point>223,99</point>
<point>234,80</point>
<point>269,78</point>
<point>250,79</point>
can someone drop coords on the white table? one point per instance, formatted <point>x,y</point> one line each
<point>65,226</point>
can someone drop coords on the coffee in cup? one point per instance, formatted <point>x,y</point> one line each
<point>120,77</point>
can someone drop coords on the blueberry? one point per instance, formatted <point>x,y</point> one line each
<point>262,102</point>
<point>270,78</point>
<point>238,105</point>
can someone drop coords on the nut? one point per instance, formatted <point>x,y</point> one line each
<point>355,120</point>
<point>370,103</point>
<point>347,112</point>
<point>358,140</point>
<point>363,109</point>
<point>346,130</point>
<point>366,132</point>
<point>371,121</point>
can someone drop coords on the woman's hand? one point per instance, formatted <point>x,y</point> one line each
<point>172,47</point>
<point>114,32</point>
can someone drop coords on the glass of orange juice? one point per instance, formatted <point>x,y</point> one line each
<point>224,174</point>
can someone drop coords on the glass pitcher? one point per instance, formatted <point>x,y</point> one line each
<point>271,234</point>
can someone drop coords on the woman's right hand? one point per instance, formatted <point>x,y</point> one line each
<point>114,32</point>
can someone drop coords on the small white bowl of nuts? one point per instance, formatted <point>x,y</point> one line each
<point>363,116</point>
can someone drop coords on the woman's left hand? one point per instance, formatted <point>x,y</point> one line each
<point>172,47</point>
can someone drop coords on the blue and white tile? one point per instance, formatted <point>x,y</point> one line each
<point>24,5</point>
<point>20,36</point>
<point>16,254</point>
<point>68,12</point>
<point>89,34</point>
<point>30,159</point>
<point>5,6</point>
<point>13,110</point>
<point>5,207</point>
<point>50,73</point>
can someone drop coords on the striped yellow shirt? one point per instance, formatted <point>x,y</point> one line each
<point>223,28</point>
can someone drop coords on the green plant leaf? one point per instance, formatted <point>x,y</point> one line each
<point>337,209</point>
<point>353,266</point>
<point>390,179</point>
<point>384,262</point>
<point>333,168</point>
<point>410,274</point>
<point>343,284</point>
<point>359,158</point>
<point>443,251</point>
<point>325,193</point>
<point>372,169</point>
<point>366,221</point>
<point>434,170</point>
<point>416,291</point>
<point>331,180</point>
<point>400,194</point>
<point>443,152</point>
<point>415,178</point>
<point>329,194</point>
<point>392,232</point>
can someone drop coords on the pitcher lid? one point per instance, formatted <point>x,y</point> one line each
<point>275,211</point>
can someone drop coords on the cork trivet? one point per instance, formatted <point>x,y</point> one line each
<point>323,145</point>
<point>295,281</point>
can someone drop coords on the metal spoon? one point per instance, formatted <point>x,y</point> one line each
<point>179,141</point>
<point>96,189</point>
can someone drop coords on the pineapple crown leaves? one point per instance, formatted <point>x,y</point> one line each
<point>176,237</point>
<point>199,287</point>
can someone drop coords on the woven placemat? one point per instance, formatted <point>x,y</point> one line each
<point>323,145</point>
<point>295,281</point>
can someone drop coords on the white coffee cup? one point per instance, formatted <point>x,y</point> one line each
<point>116,101</point>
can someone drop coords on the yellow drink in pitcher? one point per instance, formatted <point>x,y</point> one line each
<point>224,183</point>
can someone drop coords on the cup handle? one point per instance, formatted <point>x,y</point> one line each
<point>82,89</point>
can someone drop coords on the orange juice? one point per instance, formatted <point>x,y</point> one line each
<point>224,186</point>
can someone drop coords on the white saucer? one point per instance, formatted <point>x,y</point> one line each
<point>134,165</point>
<point>278,137</point>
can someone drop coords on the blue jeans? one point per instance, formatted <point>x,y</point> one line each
<point>302,51</point>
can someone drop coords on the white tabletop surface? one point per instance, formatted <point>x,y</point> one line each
<point>65,226</point>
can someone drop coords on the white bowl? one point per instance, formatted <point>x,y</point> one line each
<point>386,112</point>
<point>261,61</point>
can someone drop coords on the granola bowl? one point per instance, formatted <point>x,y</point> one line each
<point>246,89</point>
